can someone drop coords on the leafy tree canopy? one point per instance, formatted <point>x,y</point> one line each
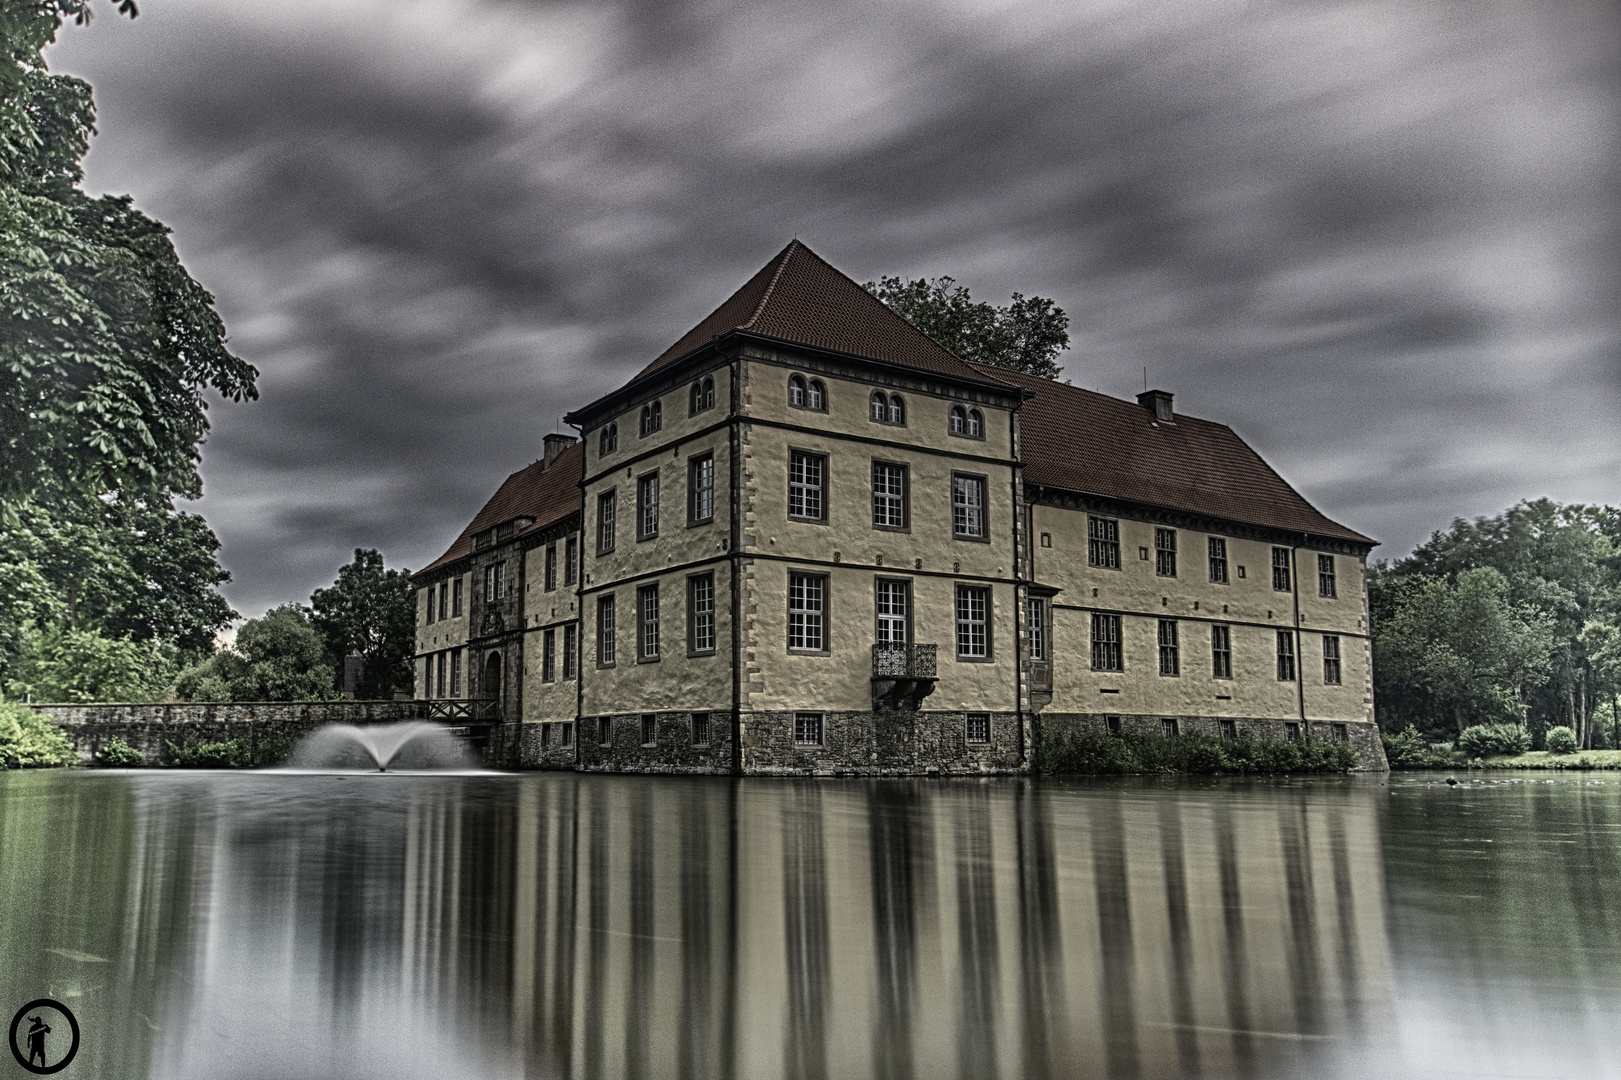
<point>370,612</point>
<point>278,657</point>
<point>59,665</point>
<point>1026,335</point>
<point>107,344</point>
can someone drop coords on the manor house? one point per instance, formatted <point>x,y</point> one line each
<point>807,539</point>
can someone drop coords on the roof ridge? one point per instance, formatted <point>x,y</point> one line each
<point>784,258</point>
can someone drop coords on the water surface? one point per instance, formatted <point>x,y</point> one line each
<point>273,925</point>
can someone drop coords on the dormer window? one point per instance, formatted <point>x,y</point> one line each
<point>806,393</point>
<point>887,408</point>
<point>702,396</point>
<point>652,418</point>
<point>608,441</point>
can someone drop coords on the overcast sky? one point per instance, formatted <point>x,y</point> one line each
<point>1379,240</point>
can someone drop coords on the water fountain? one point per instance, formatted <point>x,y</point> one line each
<point>411,746</point>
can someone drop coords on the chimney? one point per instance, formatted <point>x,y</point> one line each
<point>556,444</point>
<point>1157,402</point>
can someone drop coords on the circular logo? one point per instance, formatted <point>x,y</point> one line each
<point>37,1035</point>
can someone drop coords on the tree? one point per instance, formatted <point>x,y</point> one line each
<point>107,343</point>
<point>279,656</point>
<point>370,612</point>
<point>1026,336</point>
<point>82,666</point>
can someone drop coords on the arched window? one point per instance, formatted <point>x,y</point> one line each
<point>647,420</point>
<point>796,391</point>
<point>976,423</point>
<point>897,409</point>
<point>652,418</point>
<point>695,399</point>
<point>658,415</point>
<point>880,407</point>
<point>959,421</point>
<point>608,441</point>
<point>818,395</point>
<point>709,392</point>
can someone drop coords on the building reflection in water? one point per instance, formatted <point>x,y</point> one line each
<point>590,926</point>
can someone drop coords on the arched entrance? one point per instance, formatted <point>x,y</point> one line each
<point>492,679</point>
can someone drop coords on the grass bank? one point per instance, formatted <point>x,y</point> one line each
<point>1094,753</point>
<point>1542,759</point>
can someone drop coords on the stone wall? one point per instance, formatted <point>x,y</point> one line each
<point>881,744</point>
<point>1362,735</point>
<point>672,750</point>
<point>151,729</point>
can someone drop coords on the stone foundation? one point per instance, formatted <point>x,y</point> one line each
<point>1362,735</point>
<point>882,744</point>
<point>671,751</point>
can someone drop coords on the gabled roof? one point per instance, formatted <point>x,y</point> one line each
<point>546,493</point>
<point>798,296</point>
<point>1092,443</point>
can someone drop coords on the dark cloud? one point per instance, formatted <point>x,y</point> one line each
<point>1377,239</point>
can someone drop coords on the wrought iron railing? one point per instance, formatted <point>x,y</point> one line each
<point>890,661</point>
<point>476,711</point>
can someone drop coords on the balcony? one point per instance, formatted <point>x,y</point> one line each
<point>902,675</point>
<point>468,712</point>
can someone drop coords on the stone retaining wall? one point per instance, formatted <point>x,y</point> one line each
<point>151,729</point>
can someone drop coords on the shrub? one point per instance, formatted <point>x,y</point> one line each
<point>1494,740</point>
<point>1561,740</point>
<point>1407,749</point>
<point>29,741</point>
<point>230,754</point>
<point>1135,751</point>
<point>118,754</point>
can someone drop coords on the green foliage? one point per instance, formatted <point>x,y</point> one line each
<point>1494,740</point>
<point>1134,751</point>
<point>118,754</point>
<point>81,666</point>
<point>1026,336</point>
<point>1407,749</point>
<point>1560,740</point>
<point>228,754</point>
<point>369,612</point>
<point>278,657</point>
<point>29,741</point>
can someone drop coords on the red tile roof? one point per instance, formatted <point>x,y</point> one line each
<point>547,494</point>
<point>1082,441</point>
<point>798,296</point>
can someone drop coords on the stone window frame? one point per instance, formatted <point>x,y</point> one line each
<point>958,592</point>
<point>650,729</point>
<point>1282,570</point>
<point>429,620</point>
<point>701,397</point>
<point>971,722</point>
<point>1170,727</point>
<point>826,612</point>
<point>885,408</point>
<point>648,629</point>
<point>1340,732</point>
<point>807,392</point>
<point>984,482</point>
<point>1291,731</point>
<point>1332,670</point>
<point>802,725</point>
<point>1170,651</point>
<point>694,463</point>
<point>1103,542</point>
<point>607,520</point>
<point>549,576</point>
<point>441,673</point>
<point>701,728</point>
<point>692,614</point>
<point>1164,552</point>
<point>456,597</point>
<point>1109,646</point>
<point>608,440</point>
<point>824,488</point>
<point>1227,730</point>
<point>648,509</point>
<point>906,495</point>
<point>566,735</point>
<point>911,607</point>
<point>607,641</point>
<point>605,731</point>
<point>571,652</point>
<point>456,673</point>
<point>1221,651</point>
<point>1216,551</point>
<point>1327,578</point>
<point>571,560</point>
<point>652,419</point>
<point>965,422</point>
<point>1286,656</point>
<point>1040,630</point>
<point>548,655</point>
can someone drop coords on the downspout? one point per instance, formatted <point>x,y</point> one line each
<point>579,606</point>
<point>1020,592</point>
<point>1300,650</point>
<point>734,543</point>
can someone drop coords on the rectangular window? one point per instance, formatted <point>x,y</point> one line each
<point>968,507</point>
<point>1103,543</point>
<point>1331,659</point>
<point>1038,629</point>
<point>456,673</point>
<point>1342,733</point>
<point>456,597</point>
<point>605,730</point>
<point>1291,731</point>
<point>807,612</point>
<point>545,736</point>
<point>1229,729</point>
<point>571,560</point>
<point>1106,643</point>
<point>1221,652</point>
<point>548,656</point>
<point>1218,560</point>
<point>701,613</point>
<point>1286,656</point>
<point>1112,724</point>
<point>647,635</point>
<point>605,632</point>
<point>607,510</point>
<point>1169,728</point>
<point>807,729</point>
<point>551,567</point>
<point>571,651</point>
<point>1170,662</point>
<point>1325,576</point>
<point>894,612</point>
<point>700,729</point>
<point>978,727</point>
<point>807,482</point>
<point>647,506</point>
<point>568,734</point>
<point>444,594</point>
<point>501,580</point>
<point>1165,552</point>
<point>888,496</point>
<point>430,603</point>
<point>701,483</point>
<point>1280,569</point>
<point>442,669</point>
<point>489,584</point>
<point>650,728</point>
<point>973,622</point>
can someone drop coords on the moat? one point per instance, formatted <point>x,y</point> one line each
<point>556,924</point>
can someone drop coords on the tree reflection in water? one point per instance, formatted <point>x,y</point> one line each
<point>595,926</point>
